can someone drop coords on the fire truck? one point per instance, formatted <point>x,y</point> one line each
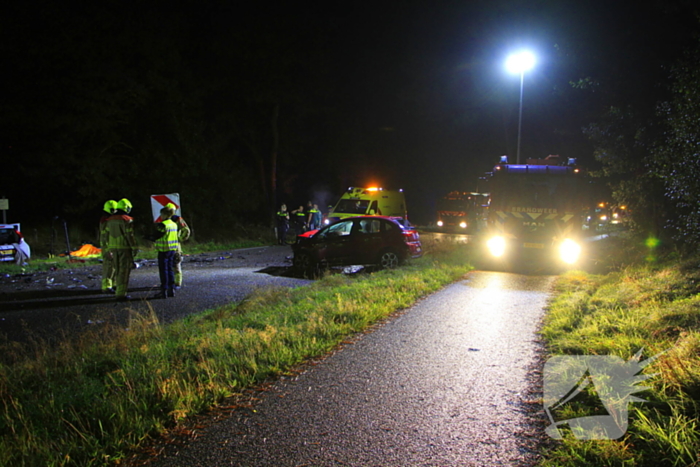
<point>537,209</point>
<point>462,211</point>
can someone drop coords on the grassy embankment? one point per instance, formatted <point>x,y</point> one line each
<point>88,401</point>
<point>651,306</point>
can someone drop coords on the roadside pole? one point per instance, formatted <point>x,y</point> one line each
<point>4,207</point>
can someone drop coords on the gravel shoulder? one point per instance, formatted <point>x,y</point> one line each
<point>51,305</point>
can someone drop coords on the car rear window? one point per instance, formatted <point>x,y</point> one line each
<point>8,236</point>
<point>391,227</point>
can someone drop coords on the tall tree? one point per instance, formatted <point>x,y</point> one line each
<point>677,157</point>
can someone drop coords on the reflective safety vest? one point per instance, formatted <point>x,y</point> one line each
<point>169,241</point>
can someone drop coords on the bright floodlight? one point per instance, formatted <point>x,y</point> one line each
<point>521,62</point>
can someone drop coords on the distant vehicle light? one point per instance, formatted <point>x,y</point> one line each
<point>326,221</point>
<point>463,225</point>
<point>440,223</point>
<point>603,218</point>
<point>497,246</point>
<point>569,251</point>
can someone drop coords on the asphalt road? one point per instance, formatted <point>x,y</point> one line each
<point>51,305</point>
<point>452,381</point>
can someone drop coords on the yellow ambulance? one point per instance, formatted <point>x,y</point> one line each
<point>368,201</point>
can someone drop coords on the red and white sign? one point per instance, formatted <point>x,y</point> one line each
<point>158,202</point>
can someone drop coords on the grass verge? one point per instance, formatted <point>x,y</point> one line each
<point>88,402</point>
<point>651,307</point>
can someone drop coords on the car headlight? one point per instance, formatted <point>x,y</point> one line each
<point>569,251</point>
<point>440,223</point>
<point>497,246</point>
<point>463,225</point>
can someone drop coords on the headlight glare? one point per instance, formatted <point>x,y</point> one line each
<point>569,251</point>
<point>497,246</point>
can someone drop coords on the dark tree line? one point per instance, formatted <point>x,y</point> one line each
<point>237,107</point>
<point>644,124</point>
<point>113,100</point>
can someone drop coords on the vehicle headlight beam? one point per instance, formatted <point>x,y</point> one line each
<point>569,251</point>
<point>496,246</point>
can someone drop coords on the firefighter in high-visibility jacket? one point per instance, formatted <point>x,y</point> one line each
<point>110,208</point>
<point>166,246</point>
<point>121,243</point>
<point>183,234</point>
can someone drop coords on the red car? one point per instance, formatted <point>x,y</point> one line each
<point>364,240</point>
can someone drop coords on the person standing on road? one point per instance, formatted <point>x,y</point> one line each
<point>299,220</point>
<point>166,246</point>
<point>282,224</point>
<point>183,234</point>
<point>121,243</point>
<point>315,218</point>
<point>110,208</point>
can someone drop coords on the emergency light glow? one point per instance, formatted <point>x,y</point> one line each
<point>440,223</point>
<point>463,225</point>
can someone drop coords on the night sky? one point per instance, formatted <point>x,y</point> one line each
<point>409,94</point>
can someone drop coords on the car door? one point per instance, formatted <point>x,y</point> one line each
<point>333,243</point>
<point>366,240</point>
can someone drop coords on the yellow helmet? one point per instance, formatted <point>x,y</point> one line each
<point>110,206</point>
<point>125,205</point>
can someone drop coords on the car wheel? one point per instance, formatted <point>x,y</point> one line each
<point>305,265</point>
<point>389,259</point>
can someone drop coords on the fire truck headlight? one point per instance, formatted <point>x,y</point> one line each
<point>463,225</point>
<point>440,223</point>
<point>497,246</point>
<point>569,251</point>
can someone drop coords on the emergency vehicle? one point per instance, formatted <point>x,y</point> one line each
<point>462,211</point>
<point>13,247</point>
<point>537,208</point>
<point>368,201</point>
